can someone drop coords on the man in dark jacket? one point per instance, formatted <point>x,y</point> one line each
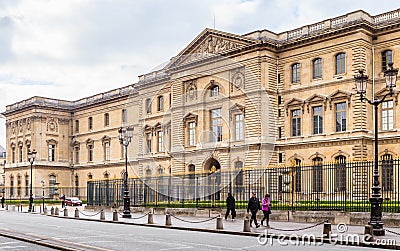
<point>230,206</point>
<point>253,206</point>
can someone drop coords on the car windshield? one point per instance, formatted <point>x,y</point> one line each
<point>74,199</point>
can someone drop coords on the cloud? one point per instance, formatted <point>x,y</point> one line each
<point>69,49</point>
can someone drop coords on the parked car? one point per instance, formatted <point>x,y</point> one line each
<point>73,201</point>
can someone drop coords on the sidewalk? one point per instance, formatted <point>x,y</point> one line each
<point>343,233</point>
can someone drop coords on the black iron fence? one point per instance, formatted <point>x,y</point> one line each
<point>18,193</point>
<point>332,186</point>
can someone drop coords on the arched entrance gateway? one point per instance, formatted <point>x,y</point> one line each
<point>212,170</point>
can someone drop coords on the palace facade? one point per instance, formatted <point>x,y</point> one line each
<point>226,102</point>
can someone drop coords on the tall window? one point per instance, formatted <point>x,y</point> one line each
<point>148,106</point>
<point>11,185</point>
<point>76,150</point>
<point>90,123</point>
<point>90,152</point>
<point>387,172</point>
<point>19,185</point>
<point>214,91</point>
<point>160,103</point>
<point>26,185</point>
<point>52,152</point>
<point>20,153</point>
<point>13,154</point>
<point>216,124</point>
<point>107,151</point>
<point>387,115</point>
<point>239,126</point>
<point>296,122</point>
<point>160,141</point>
<point>297,163</point>
<point>317,174</point>
<point>192,133</point>
<point>340,173</point>
<point>296,73</point>
<point>124,116</point>
<point>340,116</point>
<point>52,184</point>
<point>148,142</point>
<point>317,68</point>
<point>76,126</point>
<point>386,59</point>
<point>317,117</point>
<point>76,185</point>
<point>340,65</point>
<point>239,180</point>
<point>106,119</point>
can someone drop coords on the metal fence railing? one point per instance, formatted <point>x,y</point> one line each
<point>20,192</point>
<point>333,186</point>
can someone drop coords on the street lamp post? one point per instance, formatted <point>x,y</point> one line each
<point>125,138</point>
<point>43,186</point>
<point>376,200</point>
<point>31,159</point>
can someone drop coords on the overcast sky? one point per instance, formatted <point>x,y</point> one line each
<point>69,49</point>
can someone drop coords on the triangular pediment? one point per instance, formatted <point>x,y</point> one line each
<point>294,102</point>
<point>340,94</point>
<point>210,43</point>
<point>316,98</point>
<point>190,116</point>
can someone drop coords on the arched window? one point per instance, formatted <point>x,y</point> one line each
<point>160,103</point>
<point>317,174</point>
<point>317,68</point>
<point>340,173</point>
<point>386,59</point>
<point>340,65</point>
<point>387,172</point>
<point>297,163</point>
<point>296,73</point>
<point>214,91</point>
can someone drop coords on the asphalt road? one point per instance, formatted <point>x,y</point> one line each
<point>12,244</point>
<point>85,235</point>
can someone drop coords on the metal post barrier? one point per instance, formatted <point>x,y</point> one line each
<point>57,212</point>
<point>115,215</point>
<point>168,221</point>
<point>6,206</point>
<point>52,211</point>
<point>65,212</point>
<point>327,231</point>
<point>45,210</point>
<point>76,213</point>
<point>246,225</point>
<point>102,215</point>
<point>220,224</point>
<point>370,231</point>
<point>150,219</point>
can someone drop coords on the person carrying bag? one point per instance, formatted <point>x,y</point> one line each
<point>266,208</point>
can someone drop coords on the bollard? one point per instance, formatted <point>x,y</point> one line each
<point>6,206</point>
<point>102,215</point>
<point>150,218</point>
<point>220,225</point>
<point>45,210</point>
<point>65,212</point>
<point>168,220</point>
<point>246,225</point>
<point>76,213</point>
<point>326,232</point>
<point>369,231</point>
<point>115,215</point>
<point>52,211</point>
<point>56,212</point>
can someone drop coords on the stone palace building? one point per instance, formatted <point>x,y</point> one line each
<point>225,102</point>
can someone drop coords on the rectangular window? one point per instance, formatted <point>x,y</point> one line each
<point>76,185</point>
<point>26,185</point>
<point>20,153</point>
<point>106,151</point>
<point>318,122</point>
<point>148,106</point>
<point>106,119</point>
<point>296,73</point>
<point>90,123</point>
<point>52,152</point>
<point>160,139</point>
<point>317,68</point>
<point>76,155</point>
<point>340,63</point>
<point>386,59</point>
<point>387,115</point>
<point>216,124</point>
<point>192,133</point>
<point>280,157</point>
<point>124,116</point>
<point>76,126</point>
<point>148,142</point>
<point>160,103</point>
<point>296,122</point>
<point>239,126</point>
<point>13,155</point>
<point>341,117</point>
<point>90,153</point>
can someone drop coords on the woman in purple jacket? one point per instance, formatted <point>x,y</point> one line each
<point>266,208</point>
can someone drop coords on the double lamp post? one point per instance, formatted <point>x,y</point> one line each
<point>361,81</point>
<point>125,138</point>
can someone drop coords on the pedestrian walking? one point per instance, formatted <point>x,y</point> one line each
<point>230,207</point>
<point>2,201</point>
<point>62,201</point>
<point>253,206</point>
<point>266,208</point>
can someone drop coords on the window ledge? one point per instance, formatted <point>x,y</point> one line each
<point>388,131</point>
